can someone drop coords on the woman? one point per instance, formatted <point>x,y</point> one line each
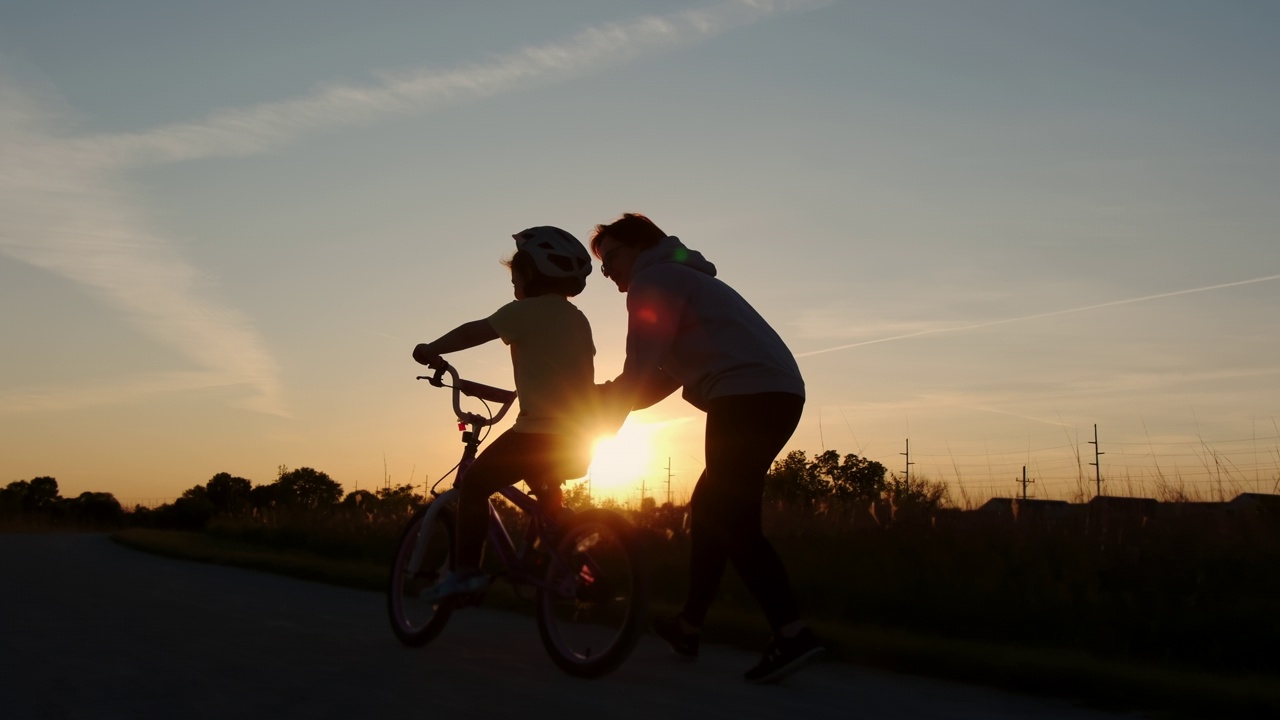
<point>687,329</point>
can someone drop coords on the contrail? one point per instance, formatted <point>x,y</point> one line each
<point>67,213</point>
<point>975,326</point>
<point>256,129</point>
<point>66,208</point>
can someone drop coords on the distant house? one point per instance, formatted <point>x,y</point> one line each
<point>1257,502</point>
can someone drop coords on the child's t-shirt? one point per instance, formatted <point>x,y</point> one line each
<point>553,356</point>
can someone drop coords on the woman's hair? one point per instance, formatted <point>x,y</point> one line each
<point>632,229</point>
<point>535,283</point>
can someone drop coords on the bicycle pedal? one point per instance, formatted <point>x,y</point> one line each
<point>536,563</point>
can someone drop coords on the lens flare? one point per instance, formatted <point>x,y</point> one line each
<point>620,462</point>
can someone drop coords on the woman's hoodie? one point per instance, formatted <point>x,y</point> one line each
<point>685,322</point>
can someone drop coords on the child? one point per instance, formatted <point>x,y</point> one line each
<point>552,354</point>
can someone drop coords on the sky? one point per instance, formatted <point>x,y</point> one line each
<point>984,228</point>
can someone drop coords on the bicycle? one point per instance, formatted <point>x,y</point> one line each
<point>585,570</point>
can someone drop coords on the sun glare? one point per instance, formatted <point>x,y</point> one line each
<point>621,461</point>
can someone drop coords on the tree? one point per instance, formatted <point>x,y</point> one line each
<point>388,503</point>
<point>916,494</point>
<point>853,477</point>
<point>795,478</point>
<point>13,498</point>
<point>191,511</point>
<point>228,494</point>
<point>399,500</point>
<point>263,497</point>
<point>38,496</point>
<point>307,488</point>
<point>97,509</point>
<point>666,520</point>
<point>42,495</point>
<point>360,500</point>
<point>195,492</point>
<point>577,497</point>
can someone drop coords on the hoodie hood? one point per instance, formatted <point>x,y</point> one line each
<point>686,325</point>
<point>671,250</point>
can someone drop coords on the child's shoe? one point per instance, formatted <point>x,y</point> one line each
<point>682,643</point>
<point>457,584</point>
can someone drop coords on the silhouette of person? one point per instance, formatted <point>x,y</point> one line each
<point>688,329</point>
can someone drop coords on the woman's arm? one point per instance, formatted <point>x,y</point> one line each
<point>463,337</point>
<point>657,386</point>
<point>629,392</point>
<point>652,317</point>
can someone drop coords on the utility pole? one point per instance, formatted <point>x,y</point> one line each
<point>668,480</point>
<point>1097,458</point>
<point>907,473</point>
<point>1025,482</point>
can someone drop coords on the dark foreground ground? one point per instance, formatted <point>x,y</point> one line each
<point>90,629</point>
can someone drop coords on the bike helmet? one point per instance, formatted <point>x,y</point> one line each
<point>555,252</point>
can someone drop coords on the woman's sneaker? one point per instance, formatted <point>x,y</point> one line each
<point>682,643</point>
<point>784,656</point>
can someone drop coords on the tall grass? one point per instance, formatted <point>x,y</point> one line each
<point>1186,584</point>
<point>1185,581</point>
<point>339,534</point>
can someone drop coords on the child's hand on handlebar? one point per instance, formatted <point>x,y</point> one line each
<point>426,355</point>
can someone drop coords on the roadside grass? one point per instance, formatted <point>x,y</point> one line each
<point>200,547</point>
<point>37,525</point>
<point>360,574</point>
<point>1162,691</point>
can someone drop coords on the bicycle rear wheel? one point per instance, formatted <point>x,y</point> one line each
<point>590,613</point>
<point>414,620</point>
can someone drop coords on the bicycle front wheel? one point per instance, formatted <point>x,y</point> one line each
<point>424,558</point>
<point>596,596</point>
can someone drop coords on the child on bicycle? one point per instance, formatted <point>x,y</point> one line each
<point>552,354</point>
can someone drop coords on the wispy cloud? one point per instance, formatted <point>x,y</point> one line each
<point>845,323</point>
<point>65,205</point>
<point>1036,316</point>
<point>66,211</point>
<point>247,131</point>
<point>1027,398</point>
<point>74,397</point>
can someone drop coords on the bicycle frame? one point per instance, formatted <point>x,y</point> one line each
<point>499,539</point>
<point>585,569</point>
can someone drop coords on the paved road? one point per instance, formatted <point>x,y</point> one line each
<point>89,629</point>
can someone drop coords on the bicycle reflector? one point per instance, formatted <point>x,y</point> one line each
<point>462,426</point>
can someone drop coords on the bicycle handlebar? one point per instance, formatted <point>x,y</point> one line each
<point>469,388</point>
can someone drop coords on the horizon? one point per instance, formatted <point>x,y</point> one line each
<point>1214,477</point>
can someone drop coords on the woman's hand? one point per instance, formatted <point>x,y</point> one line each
<point>613,407</point>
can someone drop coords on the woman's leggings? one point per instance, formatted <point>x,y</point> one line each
<point>744,435</point>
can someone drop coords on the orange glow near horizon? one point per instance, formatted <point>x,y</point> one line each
<point>621,461</point>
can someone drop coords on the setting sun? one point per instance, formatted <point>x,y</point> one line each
<point>620,462</point>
